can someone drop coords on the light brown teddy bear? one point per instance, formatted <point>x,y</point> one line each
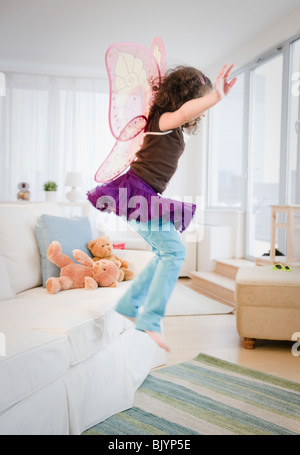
<point>87,274</point>
<point>102,248</point>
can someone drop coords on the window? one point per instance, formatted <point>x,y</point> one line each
<point>48,127</point>
<point>294,126</point>
<point>254,144</point>
<point>226,143</point>
<point>264,152</point>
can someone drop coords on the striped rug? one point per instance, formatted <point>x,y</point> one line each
<point>209,396</point>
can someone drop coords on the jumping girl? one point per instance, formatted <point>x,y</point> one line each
<point>181,99</point>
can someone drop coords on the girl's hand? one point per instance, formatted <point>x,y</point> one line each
<point>198,106</point>
<point>221,86</point>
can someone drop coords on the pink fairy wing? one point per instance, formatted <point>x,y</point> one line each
<point>133,128</point>
<point>159,52</point>
<point>130,68</point>
<point>122,154</point>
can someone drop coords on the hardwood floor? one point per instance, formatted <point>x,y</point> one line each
<point>216,335</point>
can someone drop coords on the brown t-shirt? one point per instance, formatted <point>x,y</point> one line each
<point>157,160</point>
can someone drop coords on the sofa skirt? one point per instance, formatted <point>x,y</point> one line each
<point>88,392</point>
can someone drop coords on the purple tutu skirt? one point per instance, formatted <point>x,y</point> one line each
<point>132,197</point>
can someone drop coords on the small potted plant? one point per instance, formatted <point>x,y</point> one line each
<point>50,189</point>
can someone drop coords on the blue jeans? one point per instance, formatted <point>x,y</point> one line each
<point>154,285</point>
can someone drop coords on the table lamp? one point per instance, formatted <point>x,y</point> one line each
<point>73,179</point>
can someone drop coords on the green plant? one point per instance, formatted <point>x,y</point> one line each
<point>50,186</point>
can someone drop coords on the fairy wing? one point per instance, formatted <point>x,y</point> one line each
<point>131,69</point>
<point>159,52</point>
<point>122,154</point>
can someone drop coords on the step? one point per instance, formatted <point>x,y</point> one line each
<point>215,285</point>
<point>230,267</point>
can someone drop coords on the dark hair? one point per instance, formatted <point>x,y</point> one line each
<point>181,84</point>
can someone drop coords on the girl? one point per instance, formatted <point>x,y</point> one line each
<point>181,99</point>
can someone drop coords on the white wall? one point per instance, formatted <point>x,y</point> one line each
<point>274,35</point>
<point>70,37</point>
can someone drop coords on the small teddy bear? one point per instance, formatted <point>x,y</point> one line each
<point>87,274</point>
<point>102,248</point>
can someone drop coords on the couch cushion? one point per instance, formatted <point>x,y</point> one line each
<point>46,334</point>
<point>6,291</point>
<point>86,317</point>
<point>71,233</point>
<point>18,244</point>
<point>33,360</point>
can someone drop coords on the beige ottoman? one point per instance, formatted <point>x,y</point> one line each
<point>268,304</point>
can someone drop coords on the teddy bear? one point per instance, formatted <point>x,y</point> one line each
<point>102,248</point>
<point>87,274</point>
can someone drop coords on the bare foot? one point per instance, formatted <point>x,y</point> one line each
<point>157,337</point>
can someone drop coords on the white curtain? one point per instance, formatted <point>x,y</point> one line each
<point>48,127</point>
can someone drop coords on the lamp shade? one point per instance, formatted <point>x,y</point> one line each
<point>73,179</point>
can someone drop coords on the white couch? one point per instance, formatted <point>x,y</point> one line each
<point>67,361</point>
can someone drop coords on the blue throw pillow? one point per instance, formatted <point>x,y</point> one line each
<point>72,233</point>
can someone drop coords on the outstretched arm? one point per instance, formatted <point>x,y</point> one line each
<point>193,108</point>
